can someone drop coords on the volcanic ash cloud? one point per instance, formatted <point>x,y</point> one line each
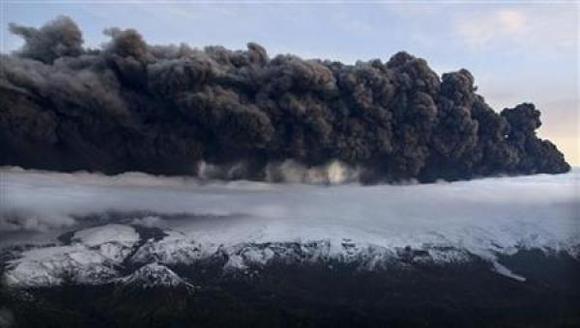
<point>131,106</point>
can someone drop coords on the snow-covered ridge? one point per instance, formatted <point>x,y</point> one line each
<point>98,255</point>
<point>154,275</point>
<point>92,258</point>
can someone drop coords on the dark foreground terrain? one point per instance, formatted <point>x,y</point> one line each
<point>414,295</point>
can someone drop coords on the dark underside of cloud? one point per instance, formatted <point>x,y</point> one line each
<point>130,106</point>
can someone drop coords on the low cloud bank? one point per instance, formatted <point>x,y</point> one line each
<point>532,208</point>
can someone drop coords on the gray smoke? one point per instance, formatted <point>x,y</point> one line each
<point>131,106</point>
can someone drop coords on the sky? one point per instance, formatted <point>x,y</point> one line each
<point>517,51</point>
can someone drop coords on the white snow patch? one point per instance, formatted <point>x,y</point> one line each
<point>499,268</point>
<point>174,248</point>
<point>117,233</point>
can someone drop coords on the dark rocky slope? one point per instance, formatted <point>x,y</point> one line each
<point>316,295</point>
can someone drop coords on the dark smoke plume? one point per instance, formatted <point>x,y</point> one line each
<point>165,109</point>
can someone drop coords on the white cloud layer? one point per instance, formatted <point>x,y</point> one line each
<point>500,24</point>
<point>531,207</point>
<point>543,29</point>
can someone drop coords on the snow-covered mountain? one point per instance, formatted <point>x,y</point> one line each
<point>101,254</point>
<point>92,257</point>
<point>154,275</point>
<point>138,228</point>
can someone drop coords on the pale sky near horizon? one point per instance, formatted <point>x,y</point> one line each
<point>517,51</point>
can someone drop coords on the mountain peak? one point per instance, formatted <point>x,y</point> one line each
<point>155,275</point>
